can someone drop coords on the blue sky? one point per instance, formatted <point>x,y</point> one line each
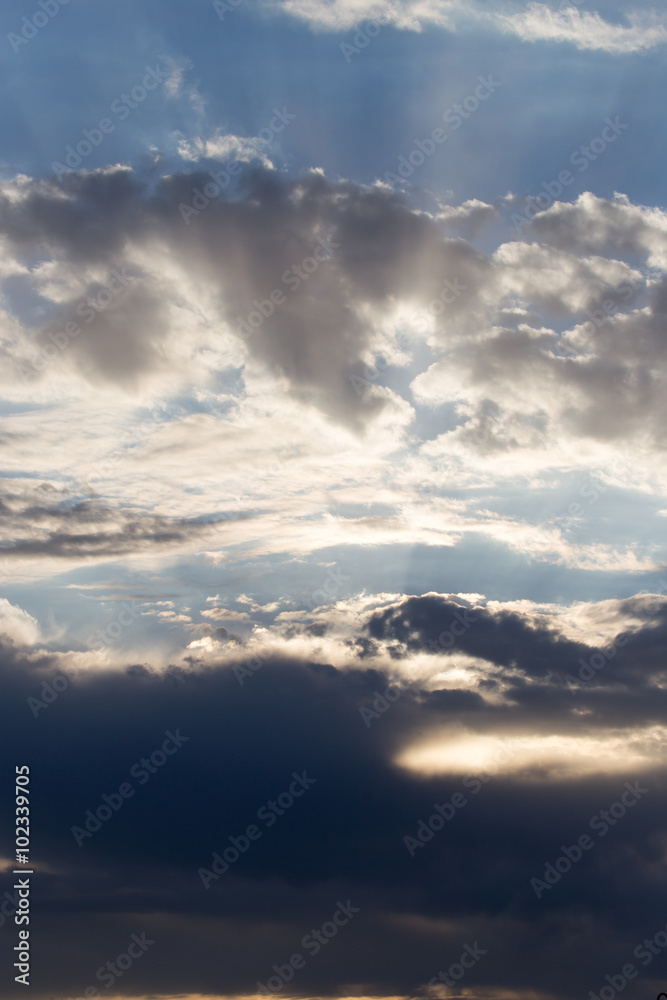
<point>353,118</point>
<point>333,341</point>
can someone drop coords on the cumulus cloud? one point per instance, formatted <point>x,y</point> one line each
<point>339,261</point>
<point>323,252</point>
<point>614,226</point>
<point>17,625</point>
<point>223,146</point>
<point>536,355</point>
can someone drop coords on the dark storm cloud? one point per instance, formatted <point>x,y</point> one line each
<point>344,838</point>
<point>522,651</point>
<point>507,639</point>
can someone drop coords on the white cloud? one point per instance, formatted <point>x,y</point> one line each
<point>18,625</point>
<point>225,147</point>
<point>587,30</point>
<point>342,15</point>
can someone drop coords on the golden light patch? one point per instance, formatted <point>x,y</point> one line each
<point>561,755</point>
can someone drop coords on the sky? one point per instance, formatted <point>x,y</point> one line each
<point>334,583</point>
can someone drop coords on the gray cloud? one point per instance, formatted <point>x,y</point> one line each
<point>339,260</point>
<point>72,528</point>
<point>325,250</point>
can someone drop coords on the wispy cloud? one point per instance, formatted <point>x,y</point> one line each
<point>587,30</point>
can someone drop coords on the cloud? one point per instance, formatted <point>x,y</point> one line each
<point>587,30</point>
<point>17,625</point>
<point>325,252</point>
<point>133,877</point>
<point>342,15</point>
<point>82,530</point>
<point>223,147</point>
<point>612,226</point>
<point>513,358</point>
